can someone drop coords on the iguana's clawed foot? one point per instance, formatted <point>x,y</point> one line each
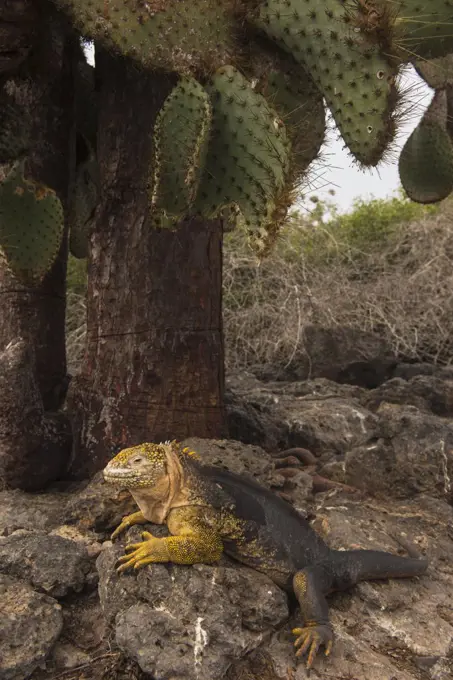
<point>128,521</point>
<point>140,554</point>
<point>310,639</point>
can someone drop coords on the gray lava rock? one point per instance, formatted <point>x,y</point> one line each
<point>428,393</point>
<point>323,416</point>
<point>332,425</point>
<point>189,622</point>
<point>34,444</point>
<point>33,511</point>
<point>344,354</point>
<point>30,624</point>
<point>254,421</point>
<point>115,593</point>
<point>235,456</point>
<point>408,371</point>
<point>413,453</point>
<point>51,564</point>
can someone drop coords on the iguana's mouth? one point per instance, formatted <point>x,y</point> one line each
<point>114,474</point>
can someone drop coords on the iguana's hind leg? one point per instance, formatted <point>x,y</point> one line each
<point>310,588</point>
<point>344,569</point>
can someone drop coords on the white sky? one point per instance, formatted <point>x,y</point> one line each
<point>337,170</point>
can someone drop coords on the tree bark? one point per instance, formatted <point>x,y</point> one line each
<point>153,368</point>
<point>43,90</point>
<point>35,441</point>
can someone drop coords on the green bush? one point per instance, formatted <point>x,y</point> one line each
<point>76,279</point>
<point>324,235</point>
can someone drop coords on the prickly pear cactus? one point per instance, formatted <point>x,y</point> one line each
<point>421,28</point>
<point>248,154</point>
<point>180,141</point>
<point>437,73</point>
<point>185,36</point>
<point>31,226</point>
<point>300,105</point>
<point>426,161</point>
<point>354,75</point>
<point>82,204</point>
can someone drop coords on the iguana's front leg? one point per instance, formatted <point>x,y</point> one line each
<point>129,521</point>
<point>194,541</point>
<point>309,588</point>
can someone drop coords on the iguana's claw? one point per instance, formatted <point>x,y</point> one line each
<point>311,638</point>
<point>128,521</point>
<point>138,554</point>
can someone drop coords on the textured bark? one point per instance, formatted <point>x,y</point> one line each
<point>19,30</point>
<point>43,91</point>
<point>34,445</point>
<point>35,441</point>
<point>154,359</point>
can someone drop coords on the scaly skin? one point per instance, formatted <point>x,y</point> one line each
<point>209,511</point>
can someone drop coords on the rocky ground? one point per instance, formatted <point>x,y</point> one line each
<point>363,465</point>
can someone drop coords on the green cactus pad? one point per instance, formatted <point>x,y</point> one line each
<point>248,154</point>
<point>186,36</point>
<point>82,204</point>
<point>180,141</point>
<point>437,73</point>
<point>300,105</point>
<point>356,79</point>
<point>31,225</point>
<point>426,160</point>
<point>422,28</point>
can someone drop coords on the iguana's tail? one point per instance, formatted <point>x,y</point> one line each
<point>367,565</point>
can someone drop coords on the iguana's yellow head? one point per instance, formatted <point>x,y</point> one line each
<point>144,465</point>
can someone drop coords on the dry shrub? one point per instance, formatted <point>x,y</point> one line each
<point>75,330</point>
<point>400,290</point>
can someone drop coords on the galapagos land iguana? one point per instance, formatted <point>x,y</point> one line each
<point>209,511</point>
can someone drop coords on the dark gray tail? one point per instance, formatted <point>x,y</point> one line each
<point>367,565</point>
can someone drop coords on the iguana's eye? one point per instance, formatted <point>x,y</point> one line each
<point>137,459</point>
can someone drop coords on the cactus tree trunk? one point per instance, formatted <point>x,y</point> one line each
<point>35,441</point>
<point>37,314</point>
<point>153,368</point>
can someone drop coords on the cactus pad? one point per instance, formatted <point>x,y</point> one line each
<point>300,105</point>
<point>354,76</point>
<point>185,36</point>
<point>422,28</point>
<point>426,160</point>
<point>248,154</point>
<point>31,225</point>
<point>180,141</point>
<point>437,73</point>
